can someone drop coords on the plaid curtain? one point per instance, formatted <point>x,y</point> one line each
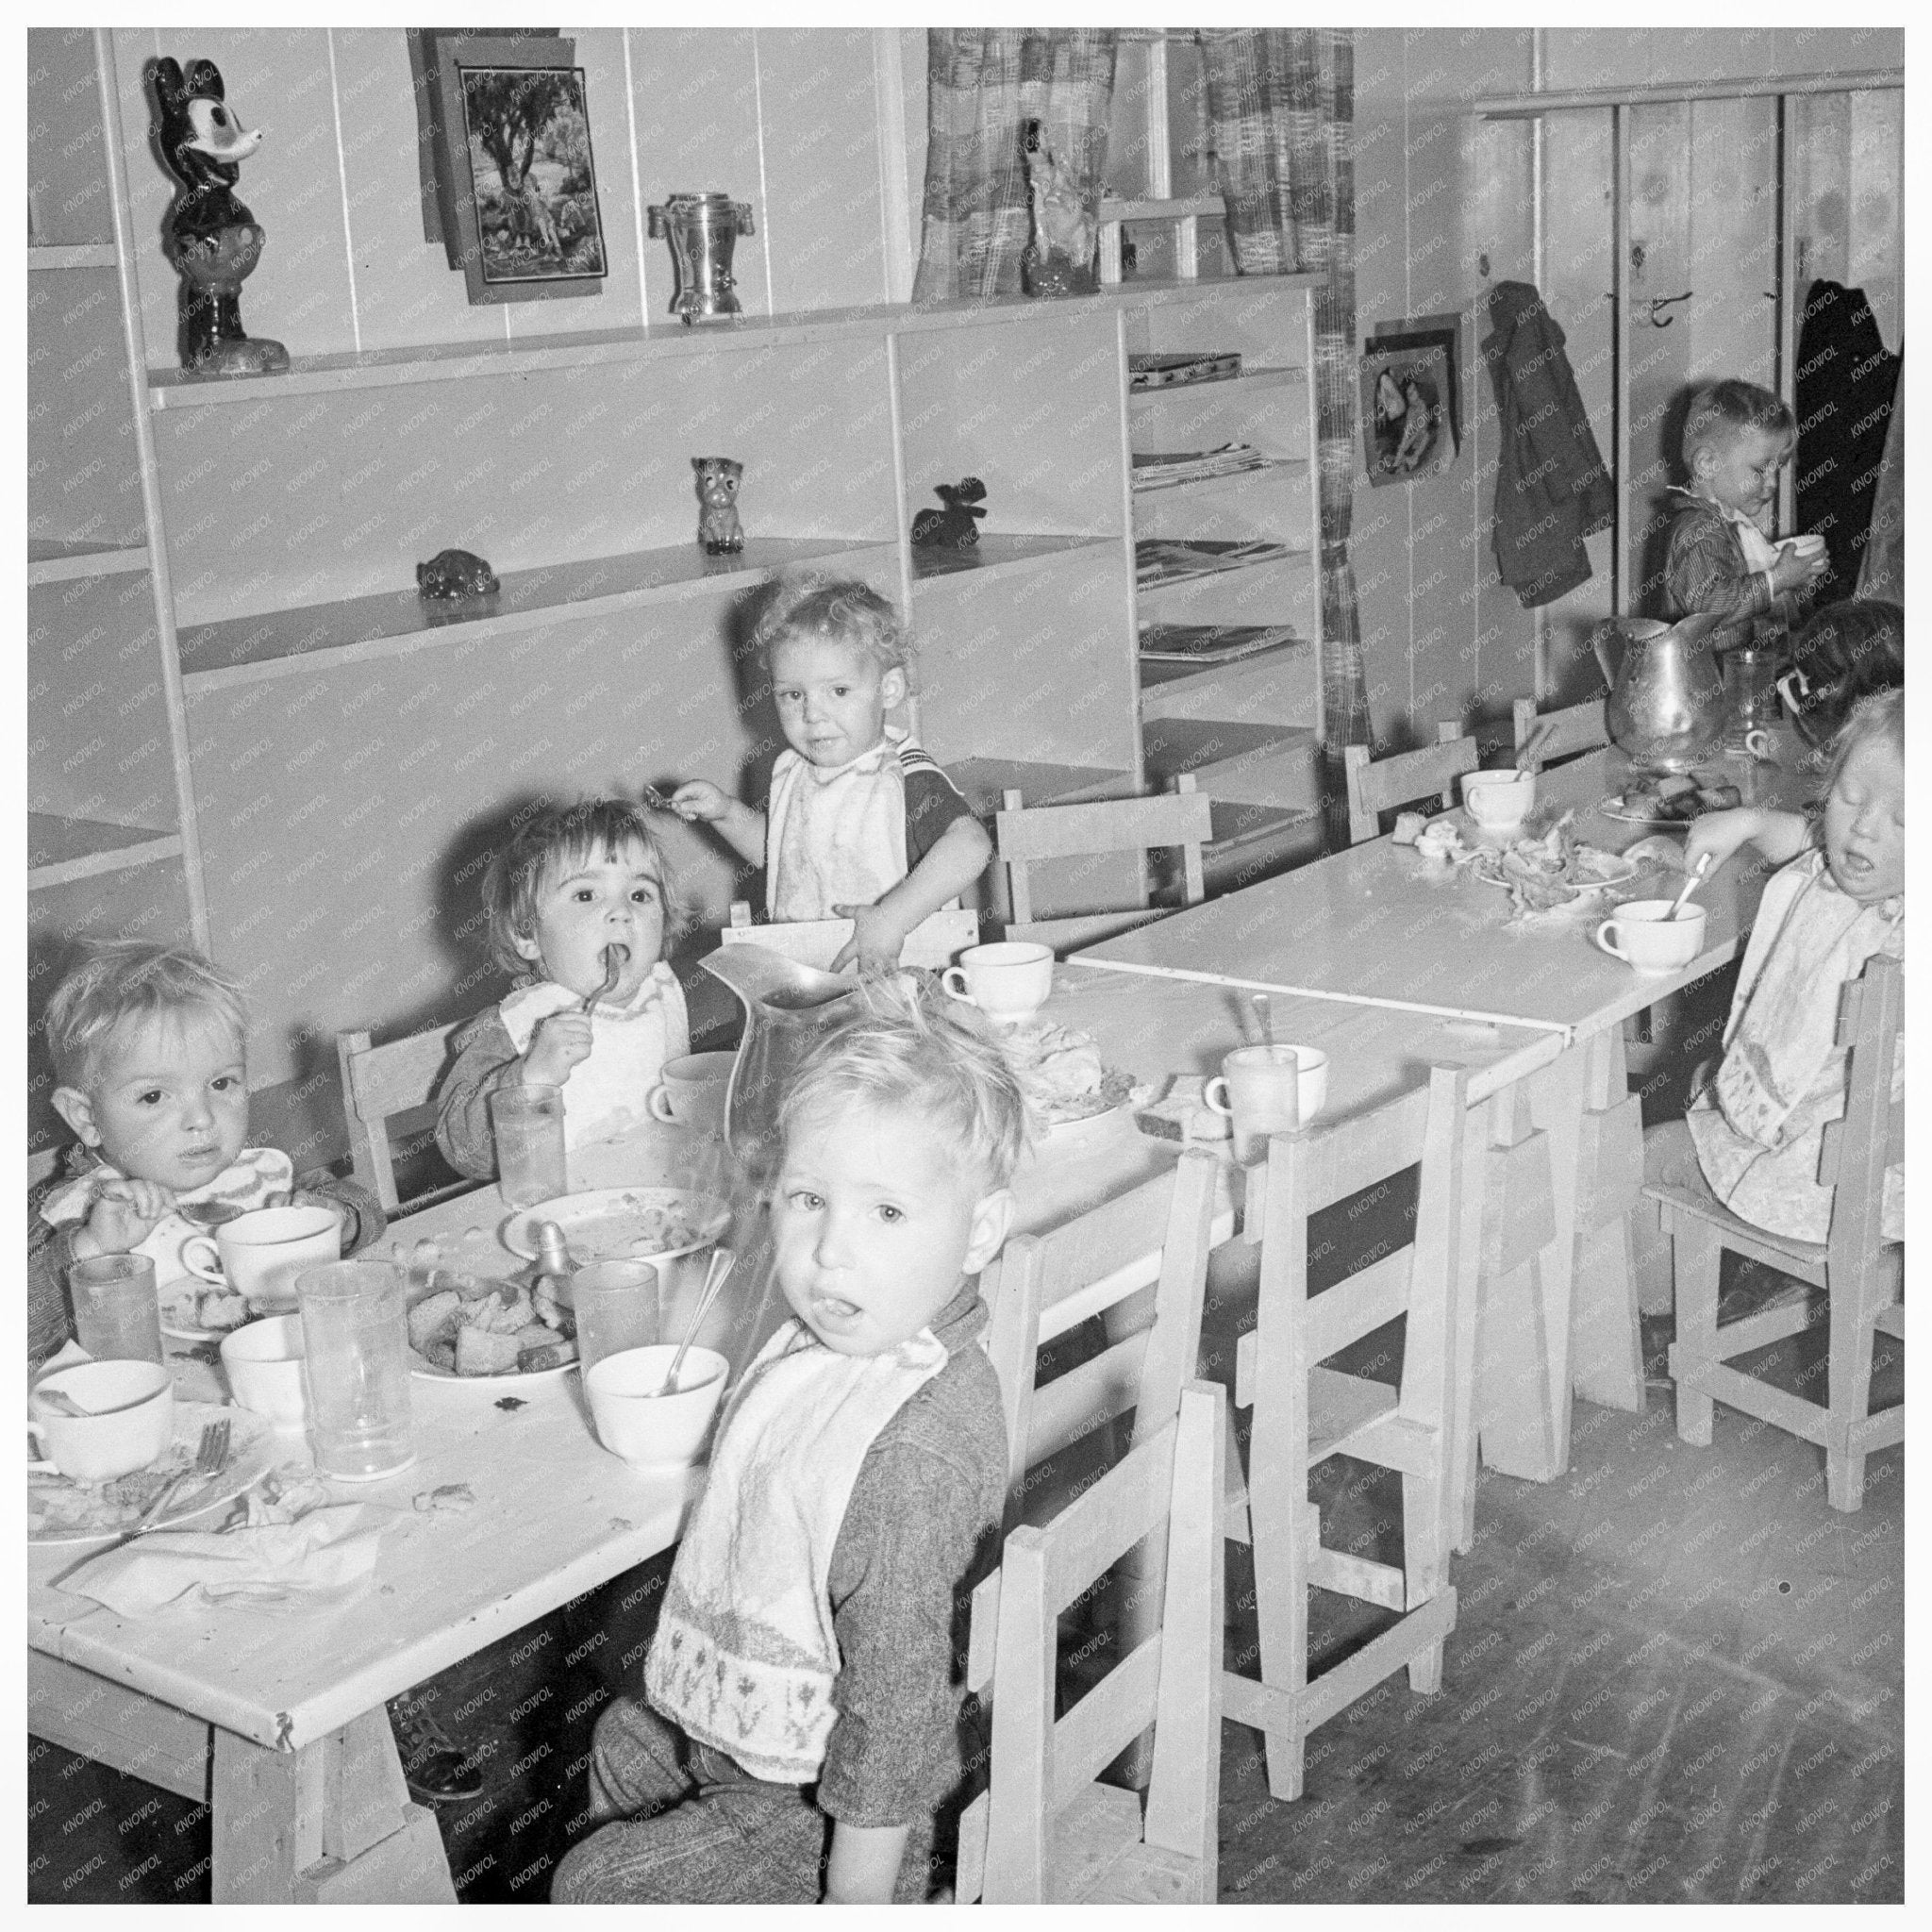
<point>1280,109</point>
<point>983,85</point>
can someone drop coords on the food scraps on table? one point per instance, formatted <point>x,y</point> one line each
<point>1674,799</point>
<point>187,1305</point>
<point>1062,1074</point>
<point>491,1328</point>
<point>1549,873</point>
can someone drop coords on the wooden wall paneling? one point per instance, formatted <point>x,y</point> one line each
<point>83,484</point>
<point>67,187</point>
<point>1642,56</point>
<point>1733,240</point>
<point>1874,209</point>
<point>1821,186</point>
<point>695,96</point>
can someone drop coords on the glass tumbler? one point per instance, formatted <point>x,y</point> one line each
<point>1750,697</point>
<point>117,1313</point>
<point>616,1307</point>
<point>529,1143</point>
<point>355,1368</point>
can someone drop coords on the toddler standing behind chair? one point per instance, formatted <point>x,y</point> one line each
<point>859,823</point>
<point>571,881</point>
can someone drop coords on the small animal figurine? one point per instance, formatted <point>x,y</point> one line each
<point>212,239</point>
<point>452,573</point>
<point>957,527</point>
<point>1058,260</point>
<point>719,529</point>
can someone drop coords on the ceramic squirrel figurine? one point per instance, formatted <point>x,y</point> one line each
<point>719,529</point>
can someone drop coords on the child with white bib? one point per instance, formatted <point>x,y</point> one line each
<point>859,823</point>
<point>573,882</point>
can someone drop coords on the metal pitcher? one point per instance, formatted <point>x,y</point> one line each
<point>1666,704</point>
<point>701,230</point>
<point>788,1006</point>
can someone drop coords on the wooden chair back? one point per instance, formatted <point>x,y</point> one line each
<point>1871,1137</point>
<point>1560,734</point>
<point>380,1082</point>
<point>39,1166</point>
<point>1051,1833</point>
<point>1379,785</point>
<point>935,943</point>
<point>1182,818</point>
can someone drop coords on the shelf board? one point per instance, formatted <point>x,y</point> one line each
<point>985,782</point>
<point>1528,106</point>
<point>82,255</point>
<point>177,389</point>
<point>1171,679</point>
<point>1207,207</point>
<point>1204,483</point>
<point>61,850</point>
<point>51,561</point>
<point>1269,375</point>
<point>388,624</point>
<point>998,555</point>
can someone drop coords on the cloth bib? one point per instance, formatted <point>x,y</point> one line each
<point>834,838</point>
<point>610,1091</point>
<point>746,1655</point>
<point>258,1177</point>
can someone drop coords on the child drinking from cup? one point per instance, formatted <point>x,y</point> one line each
<point>1737,438</point>
<point>797,1726</point>
<point>149,1050</point>
<point>860,822</point>
<point>572,883</point>
<point>1755,1134</point>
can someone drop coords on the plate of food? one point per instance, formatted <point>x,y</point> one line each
<point>196,1310</point>
<point>492,1334</point>
<point>623,1224</point>
<point>1550,873</point>
<point>1671,801</point>
<point>1071,1092</point>
<point>60,1510</point>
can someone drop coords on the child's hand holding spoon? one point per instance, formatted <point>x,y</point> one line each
<point>1690,885</point>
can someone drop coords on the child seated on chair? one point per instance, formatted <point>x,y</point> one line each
<point>796,1727</point>
<point>572,882</point>
<point>150,1063</point>
<point>1755,1134</point>
<point>860,822</point>
<point>1737,438</point>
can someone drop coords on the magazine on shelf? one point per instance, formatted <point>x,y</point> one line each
<point>1165,561</point>
<point>1153,370</point>
<point>1153,471</point>
<point>1211,643</point>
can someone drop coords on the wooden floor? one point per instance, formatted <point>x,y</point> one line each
<point>1677,1676</point>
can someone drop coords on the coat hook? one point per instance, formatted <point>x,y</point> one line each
<point>1659,303</point>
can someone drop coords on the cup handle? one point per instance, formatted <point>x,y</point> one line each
<point>1758,742</point>
<point>39,1433</point>
<point>1212,1105</point>
<point>210,1271</point>
<point>1609,926</point>
<point>958,992</point>
<point>660,1103</point>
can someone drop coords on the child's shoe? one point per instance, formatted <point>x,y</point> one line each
<point>437,1769</point>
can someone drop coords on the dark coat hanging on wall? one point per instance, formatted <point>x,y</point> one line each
<point>1552,488</point>
<point>1846,378</point>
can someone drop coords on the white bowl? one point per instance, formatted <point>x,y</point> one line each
<point>661,1432</point>
<point>263,1361</point>
<point>1498,801</point>
<point>129,1419</point>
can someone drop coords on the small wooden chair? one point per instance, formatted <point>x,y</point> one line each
<point>381,1081</point>
<point>1560,734</point>
<point>935,943</point>
<point>1304,1413</point>
<point>1862,1273</point>
<point>1379,785</point>
<point>1139,1261</point>
<point>1053,1834</point>
<point>1183,818</point>
<point>40,1166</point>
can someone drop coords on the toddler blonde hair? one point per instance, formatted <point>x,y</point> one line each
<point>1723,411</point>
<point>123,982</point>
<point>1883,716</point>
<point>550,839</point>
<point>914,1048</point>
<point>839,611</point>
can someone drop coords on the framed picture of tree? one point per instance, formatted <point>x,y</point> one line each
<point>516,182</point>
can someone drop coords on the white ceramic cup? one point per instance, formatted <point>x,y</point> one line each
<point>259,1254</point>
<point>663,1432</point>
<point>1268,1090</point>
<point>690,1090</point>
<point>263,1361</point>
<point>1647,938</point>
<point>130,1418</point>
<point>1008,981</point>
<point>1498,801</point>
<point>1807,544</point>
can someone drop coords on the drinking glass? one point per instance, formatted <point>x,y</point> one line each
<point>616,1307</point>
<point>1750,697</point>
<point>529,1143</point>
<point>355,1369</point>
<point>117,1315</point>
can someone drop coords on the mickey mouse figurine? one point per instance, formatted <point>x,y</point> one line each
<point>212,239</point>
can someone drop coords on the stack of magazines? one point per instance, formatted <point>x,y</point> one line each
<point>1165,561</point>
<point>1155,472</point>
<point>1211,643</point>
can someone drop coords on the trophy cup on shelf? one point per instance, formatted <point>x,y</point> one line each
<point>701,230</point>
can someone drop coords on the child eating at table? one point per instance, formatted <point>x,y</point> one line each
<point>860,822</point>
<point>1755,1134</point>
<point>1737,438</point>
<point>573,884</point>
<point>798,1723</point>
<point>149,1050</point>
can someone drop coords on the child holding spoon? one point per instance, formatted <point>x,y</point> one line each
<point>577,903</point>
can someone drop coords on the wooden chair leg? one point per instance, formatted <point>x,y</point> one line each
<point>1426,1569</point>
<point>1850,1371</point>
<point>1283,1521</point>
<point>1697,1259</point>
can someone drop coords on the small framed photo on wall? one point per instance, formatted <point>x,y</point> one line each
<point>1411,400</point>
<point>516,181</point>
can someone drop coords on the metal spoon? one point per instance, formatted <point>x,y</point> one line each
<point>60,1402</point>
<point>723,1261</point>
<point>614,957</point>
<point>1690,885</point>
<point>655,799</point>
<point>1262,1013</point>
